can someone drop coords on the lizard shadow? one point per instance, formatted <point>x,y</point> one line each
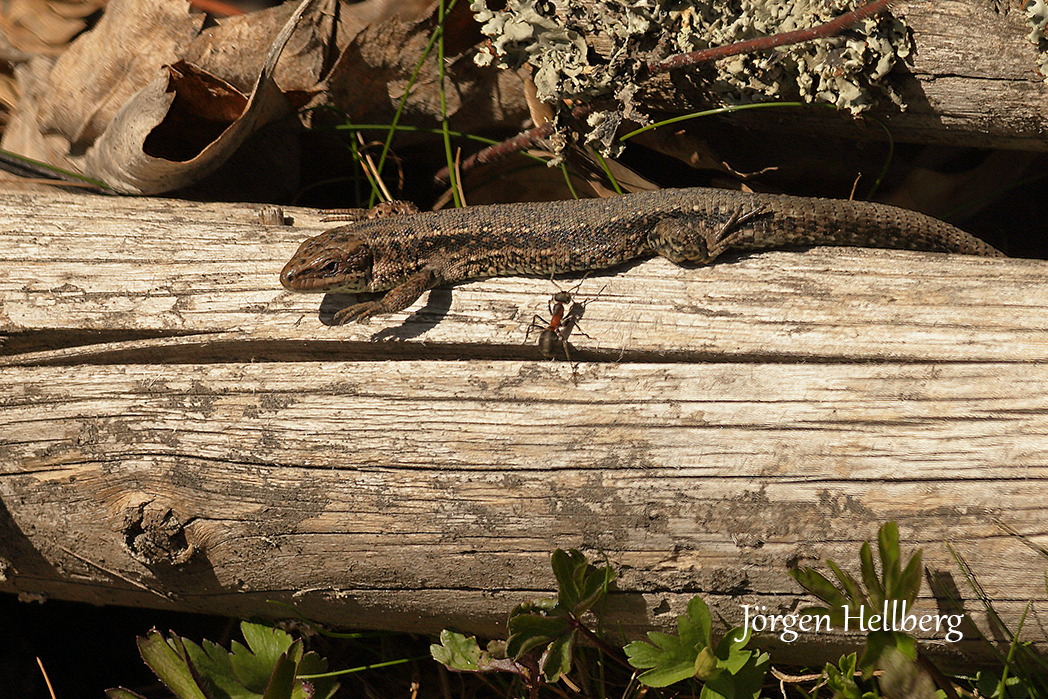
<point>437,305</point>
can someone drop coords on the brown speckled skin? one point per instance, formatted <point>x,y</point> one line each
<point>412,253</point>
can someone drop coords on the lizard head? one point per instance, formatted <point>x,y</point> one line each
<point>326,265</point>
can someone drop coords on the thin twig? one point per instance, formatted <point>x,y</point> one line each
<point>763,43</point>
<point>684,60</point>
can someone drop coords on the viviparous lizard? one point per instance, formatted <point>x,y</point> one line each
<point>405,255</point>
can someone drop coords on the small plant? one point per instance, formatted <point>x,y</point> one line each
<point>904,671</point>
<point>552,627</point>
<point>895,585</point>
<point>543,636</point>
<point>271,666</point>
<point>727,669</point>
<point>840,679</point>
<point>543,633</point>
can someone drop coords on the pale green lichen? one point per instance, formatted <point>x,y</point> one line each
<point>552,35</point>
<point>1037,17</point>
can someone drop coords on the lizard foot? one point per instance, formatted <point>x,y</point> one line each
<point>358,312</point>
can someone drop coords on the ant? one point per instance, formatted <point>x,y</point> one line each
<point>562,323</point>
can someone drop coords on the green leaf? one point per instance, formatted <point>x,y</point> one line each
<point>869,576</point>
<point>876,643</point>
<point>746,683</point>
<point>254,667</point>
<point>730,651</point>
<point>674,658</point>
<point>880,642</point>
<point>841,681</point>
<point>816,584</point>
<point>566,565</point>
<point>670,659</point>
<point>282,682</point>
<point>313,663</point>
<point>888,545</point>
<point>457,651</point>
<point>893,584</point>
<point>528,631</point>
<point>909,585</point>
<point>988,683</point>
<point>171,665</point>
<point>557,659</point>
<point>121,693</point>
<point>535,606</point>
<point>730,672</point>
<point>992,685</point>
<point>580,585</point>
<point>706,664</point>
<point>696,627</point>
<point>262,669</point>
<point>496,648</point>
<point>594,588</point>
<point>654,651</point>
<point>212,666</point>
<point>852,588</point>
<point>906,645</point>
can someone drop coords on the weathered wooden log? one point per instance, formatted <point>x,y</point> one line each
<point>972,81</point>
<point>178,431</point>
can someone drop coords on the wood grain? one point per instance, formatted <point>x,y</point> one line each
<point>178,431</point>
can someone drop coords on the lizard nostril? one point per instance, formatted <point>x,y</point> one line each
<point>287,275</point>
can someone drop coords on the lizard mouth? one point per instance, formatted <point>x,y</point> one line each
<point>327,278</point>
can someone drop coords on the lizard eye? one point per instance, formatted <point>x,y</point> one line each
<point>328,269</point>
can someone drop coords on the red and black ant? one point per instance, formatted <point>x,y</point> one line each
<point>562,323</point>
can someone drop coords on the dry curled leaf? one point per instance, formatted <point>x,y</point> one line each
<point>178,128</point>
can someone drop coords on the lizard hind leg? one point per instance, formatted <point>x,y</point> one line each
<point>699,240</point>
<point>682,240</point>
<point>384,209</point>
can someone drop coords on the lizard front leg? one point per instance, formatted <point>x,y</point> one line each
<point>396,299</point>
